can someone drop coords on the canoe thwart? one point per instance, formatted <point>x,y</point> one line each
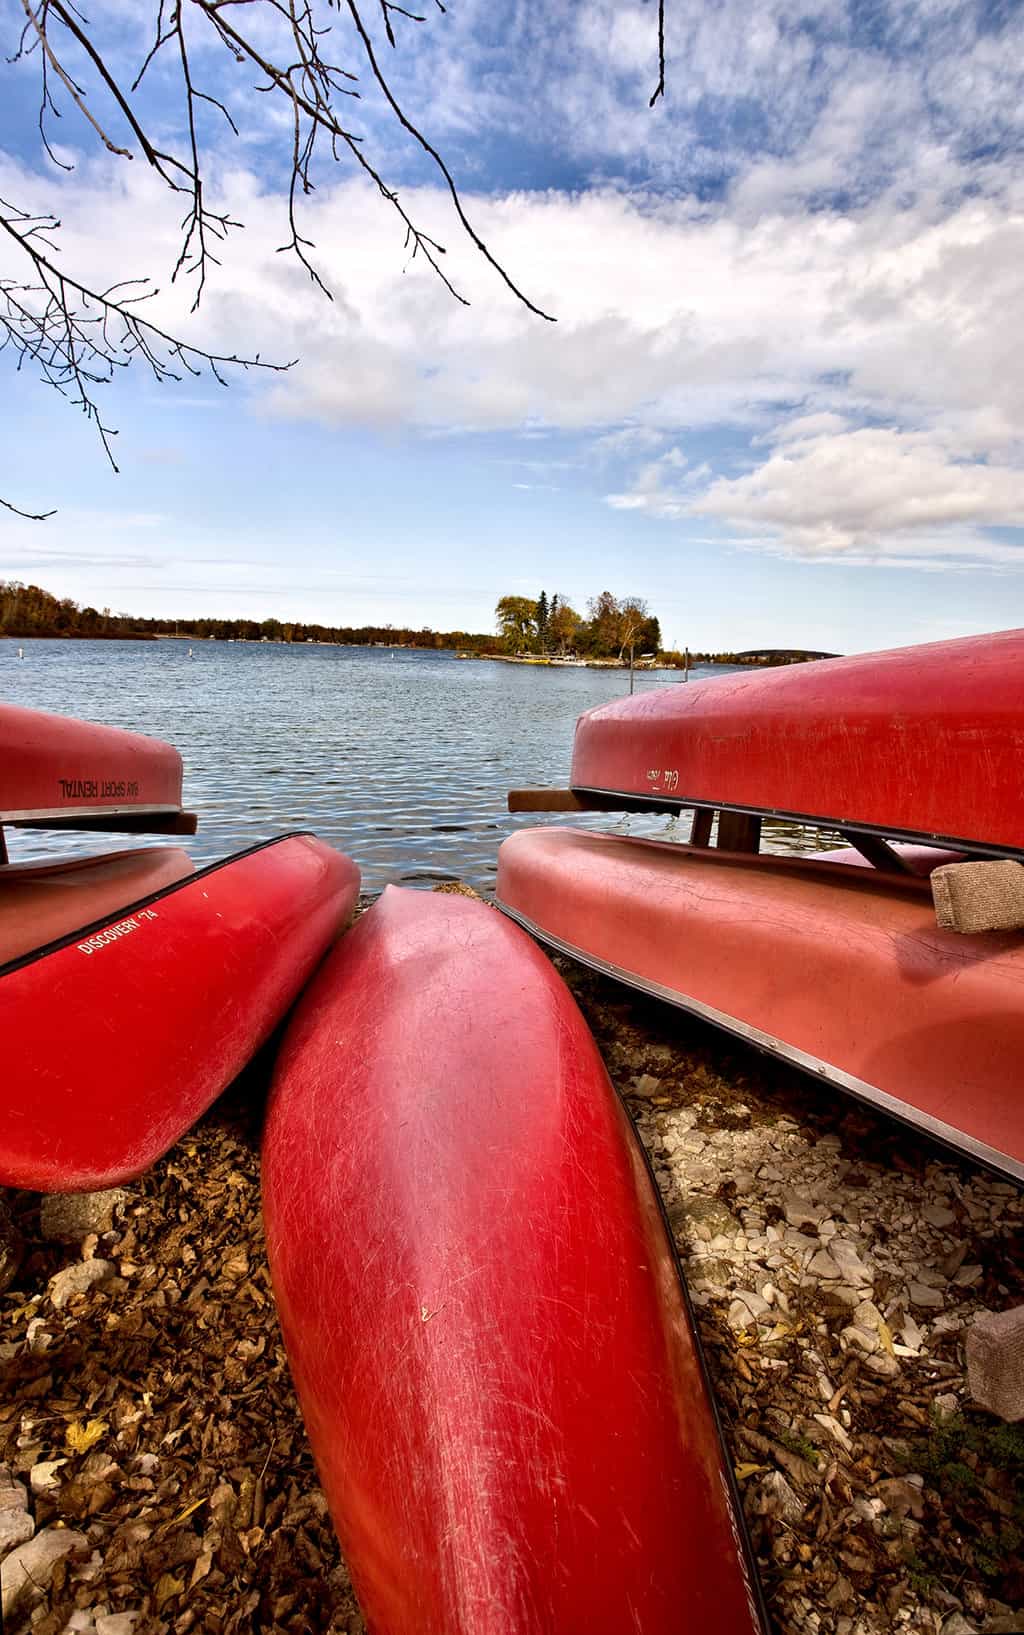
<point>972,897</point>
<point>584,800</point>
<point>122,823</point>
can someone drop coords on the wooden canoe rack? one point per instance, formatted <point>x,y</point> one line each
<point>122,823</point>
<point>737,831</point>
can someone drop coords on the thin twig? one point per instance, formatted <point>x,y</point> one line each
<point>659,89</point>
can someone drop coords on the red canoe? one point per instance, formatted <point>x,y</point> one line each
<point>41,902</point>
<point>481,1308</point>
<point>923,742</point>
<point>841,970</point>
<point>58,771</point>
<point>119,1034</point>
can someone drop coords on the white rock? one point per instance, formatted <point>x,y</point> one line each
<point>967,1276</point>
<point>118,1623</point>
<point>13,1494</point>
<point>773,1496</point>
<point>822,1265</point>
<point>921,1295</point>
<point>938,1215</point>
<point>80,1621</point>
<point>882,1364</point>
<point>16,1527</point>
<point>37,1337</point>
<point>912,1335</point>
<point>745,1309</point>
<point>69,1217</point>
<point>25,1573</point>
<point>800,1211</point>
<point>835,1430</point>
<point>43,1477</point>
<point>851,1267</point>
<point>78,1278</point>
<point>864,1338</point>
<point>849,1296</point>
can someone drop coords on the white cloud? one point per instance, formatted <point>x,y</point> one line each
<point>876,353</point>
<point>872,494</point>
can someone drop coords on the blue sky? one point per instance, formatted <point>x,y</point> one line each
<point>783,399</point>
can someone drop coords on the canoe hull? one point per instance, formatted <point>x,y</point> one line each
<point>835,968</point>
<point>922,742</point>
<point>494,1357</point>
<point>55,769</point>
<point>42,902</point>
<point>119,1036</point>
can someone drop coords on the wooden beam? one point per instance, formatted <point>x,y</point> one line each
<point>125,823</point>
<point>546,800</point>
<point>878,852</point>
<point>700,834</point>
<point>738,832</point>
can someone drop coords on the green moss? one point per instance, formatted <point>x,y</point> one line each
<point>799,1445</point>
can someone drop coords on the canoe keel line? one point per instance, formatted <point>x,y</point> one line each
<point>480,1302</point>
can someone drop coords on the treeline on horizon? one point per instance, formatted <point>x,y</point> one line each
<point>545,626</point>
<point>27,610</point>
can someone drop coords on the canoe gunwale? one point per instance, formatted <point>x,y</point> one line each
<point>962,1145</point>
<point>628,802</point>
<point>747,1553</point>
<point>161,895</point>
<point>857,880</point>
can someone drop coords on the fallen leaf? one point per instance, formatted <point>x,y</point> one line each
<point>189,1510</point>
<point>166,1586</point>
<point>80,1438</point>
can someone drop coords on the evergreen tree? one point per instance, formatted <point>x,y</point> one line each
<point>541,620</point>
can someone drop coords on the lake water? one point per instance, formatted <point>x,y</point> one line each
<point>402,759</point>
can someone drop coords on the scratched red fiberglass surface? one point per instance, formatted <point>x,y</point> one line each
<point>120,1034</point>
<point>921,741</point>
<point>836,967</point>
<point>480,1304</point>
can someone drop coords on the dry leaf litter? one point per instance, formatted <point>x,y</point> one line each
<point>154,1472</point>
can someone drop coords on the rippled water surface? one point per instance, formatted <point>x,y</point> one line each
<point>402,759</point>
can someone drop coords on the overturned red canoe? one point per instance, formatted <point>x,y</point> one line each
<point>119,1034</point>
<point>841,970</point>
<point>481,1307</point>
<point>42,902</point>
<point>922,742</point>
<point>67,773</point>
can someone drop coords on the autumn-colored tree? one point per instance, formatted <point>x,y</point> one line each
<point>563,623</point>
<point>517,622</point>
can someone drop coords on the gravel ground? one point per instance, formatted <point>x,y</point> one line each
<point>152,1458</point>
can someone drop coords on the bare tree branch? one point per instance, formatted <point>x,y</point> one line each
<point>78,337</point>
<point>30,516</point>
<point>659,89</point>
